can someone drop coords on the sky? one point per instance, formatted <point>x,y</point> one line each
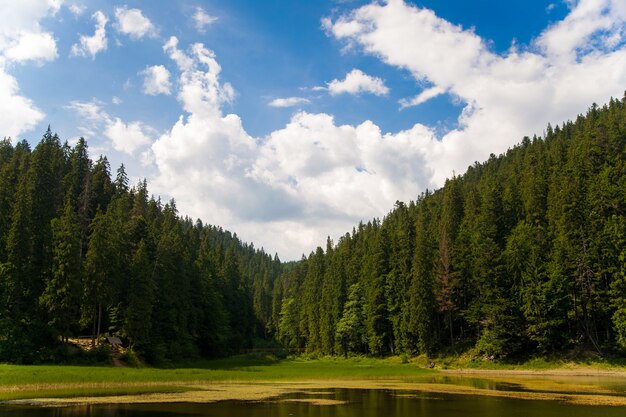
<point>290,121</point>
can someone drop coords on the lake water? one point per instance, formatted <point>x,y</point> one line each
<point>358,403</point>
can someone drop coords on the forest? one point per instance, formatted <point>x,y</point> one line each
<point>82,253</point>
<point>523,254</point>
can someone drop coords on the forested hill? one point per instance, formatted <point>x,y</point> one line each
<point>525,253</point>
<point>82,253</point>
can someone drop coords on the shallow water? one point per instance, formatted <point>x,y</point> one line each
<point>358,403</point>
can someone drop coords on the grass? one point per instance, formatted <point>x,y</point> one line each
<point>74,392</point>
<point>573,360</point>
<point>18,381</point>
<point>61,381</point>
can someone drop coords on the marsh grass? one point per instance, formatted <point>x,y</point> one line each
<point>50,381</point>
<point>17,381</point>
<point>73,392</point>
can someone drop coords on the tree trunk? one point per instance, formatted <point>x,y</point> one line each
<point>93,330</point>
<point>99,319</point>
<point>451,329</point>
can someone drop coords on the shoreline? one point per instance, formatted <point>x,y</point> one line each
<point>548,385</point>
<point>554,372</point>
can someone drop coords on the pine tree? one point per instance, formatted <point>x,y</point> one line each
<point>62,290</point>
<point>421,298</point>
<point>350,329</point>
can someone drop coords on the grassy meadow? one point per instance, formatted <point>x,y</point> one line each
<point>23,382</point>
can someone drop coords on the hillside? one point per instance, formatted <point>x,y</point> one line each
<point>82,253</point>
<point>523,254</point>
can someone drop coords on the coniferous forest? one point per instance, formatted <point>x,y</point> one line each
<point>525,253</point>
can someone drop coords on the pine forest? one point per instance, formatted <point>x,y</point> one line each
<point>524,253</point>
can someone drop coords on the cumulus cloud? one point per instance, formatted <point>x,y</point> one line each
<point>123,137</point>
<point>202,19</point>
<point>290,189</point>
<point>77,9</point>
<point>32,47</point>
<point>288,102</point>
<point>590,24</point>
<point>21,36</point>
<point>128,137</point>
<point>573,63</point>
<point>18,114</point>
<point>201,92</point>
<point>156,80</point>
<point>133,23</point>
<point>315,177</point>
<point>92,45</point>
<point>357,82</point>
<point>22,40</point>
<point>422,97</point>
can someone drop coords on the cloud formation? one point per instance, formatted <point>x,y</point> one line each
<point>18,114</point>
<point>77,9</point>
<point>422,97</point>
<point>290,189</point>
<point>128,137</point>
<point>315,177</point>
<point>92,45</point>
<point>124,137</point>
<point>202,19</point>
<point>357,82</point>
<point>22,40</point>
<point>21,36</point>
<point>156,80</point>
<point>133,23</point>
<point>288,102</point>
<point>571,64</point>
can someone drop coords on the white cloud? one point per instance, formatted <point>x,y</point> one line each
<point>422,97</point>
<point>32,46</point>
<point>89,110</point>
<point>133,23</point>
<point>202,19</point>
<point>18,114</point>
<point>357,82</point>
<point>77,9</point>
<point>21,35</point>
<point>124,137</point>
<point>156,80</point>
<point>116,100</point>
<point>506,96</point>
<point>128,137</point>
<point>589,19</point>
<point>288,102</point>
<point>313,178</point>
<point>92,45</point>
<point>200,92</point>
<point>22,40</point>
<point>286,191</point>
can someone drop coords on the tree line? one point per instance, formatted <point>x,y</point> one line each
<point>83,253</point>
<point>524,253</point>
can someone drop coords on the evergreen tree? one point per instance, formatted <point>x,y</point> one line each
<point>60,297</point>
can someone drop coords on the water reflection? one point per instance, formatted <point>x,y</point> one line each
<point>358,403</point>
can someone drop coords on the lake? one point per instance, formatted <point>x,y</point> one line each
<point>347,403</point>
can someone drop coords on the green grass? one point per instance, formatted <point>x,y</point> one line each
<point>240,368</point>
<point>565,360</point>
<point>61,381</point>
<point>75,392</point>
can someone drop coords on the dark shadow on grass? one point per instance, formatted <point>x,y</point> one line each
<point>238,362</point>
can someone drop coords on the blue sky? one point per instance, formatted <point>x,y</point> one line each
<point>287,121</point>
